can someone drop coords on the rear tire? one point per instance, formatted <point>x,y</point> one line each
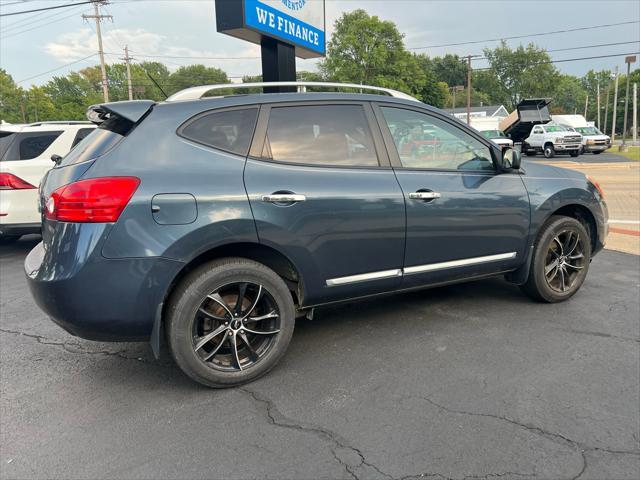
<point>549,151</point>
<point>560,262</point>
<point>254,323</point>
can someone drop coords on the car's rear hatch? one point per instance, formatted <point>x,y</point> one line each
<point>115,122</point>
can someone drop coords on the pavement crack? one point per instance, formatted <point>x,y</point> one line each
<point>600,334</point>
<point>275,417</point>
<point>578,446</point>
<point>76,348</point>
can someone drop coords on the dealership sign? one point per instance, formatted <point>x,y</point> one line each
<point>300,23</point>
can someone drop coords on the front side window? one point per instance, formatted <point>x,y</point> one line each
<point>29,145</point>
<point>333,135</point>
<point>229,130</point>
<point>423,141</point>
<point>556,128</point>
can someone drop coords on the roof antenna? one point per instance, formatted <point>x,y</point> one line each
<point>155,83</point>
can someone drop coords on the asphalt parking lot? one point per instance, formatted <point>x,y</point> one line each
<point>469,381</point>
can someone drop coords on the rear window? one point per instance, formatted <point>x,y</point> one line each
<point>229,130</point>
<point>27,145</point>
<point>98,141</point>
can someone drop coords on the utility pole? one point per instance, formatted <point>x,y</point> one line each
<point>628,60</point>
<point>586,105</point>
<point>606,108</point>
<point>469,90</point>
<point>615,104</point>
<point>98,18</point>
<point>598,103</point>
<point>127,60</point>
<point>635,113</point>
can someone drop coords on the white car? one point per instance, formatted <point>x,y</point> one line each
<point>25,157</point>
<point>498,137</point>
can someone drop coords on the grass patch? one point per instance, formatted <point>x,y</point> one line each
<point>632,154</point>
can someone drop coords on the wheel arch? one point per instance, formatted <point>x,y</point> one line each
<point>258,252</point>
<point>583,215</point>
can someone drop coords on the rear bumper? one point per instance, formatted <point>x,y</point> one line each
<point>93,297</point>
<point>8,229</point>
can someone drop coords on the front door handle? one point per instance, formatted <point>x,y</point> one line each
<point>283,198</point>
<point>424,195</point>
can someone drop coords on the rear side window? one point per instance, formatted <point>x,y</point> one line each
<point>332,135</point>
<point>81,135</point>
<point>29,145</point>
<point>229,130</point>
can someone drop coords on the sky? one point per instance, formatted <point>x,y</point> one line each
<point>35,47</point>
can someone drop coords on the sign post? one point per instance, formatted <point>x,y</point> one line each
<point>284,29</point>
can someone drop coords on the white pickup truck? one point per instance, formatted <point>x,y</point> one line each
<point>593,140</point>
<point>551,139</point>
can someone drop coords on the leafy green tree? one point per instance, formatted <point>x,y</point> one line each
<point>524,72</point>
<point>367,50</point>
<point>11,99</point>
<point>568,96</point>
<point>450,69</point>
<point>193,75</point>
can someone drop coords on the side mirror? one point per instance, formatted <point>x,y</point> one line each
<point>511,159</point>
<point>55,158</point>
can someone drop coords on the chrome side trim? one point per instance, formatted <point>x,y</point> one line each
<point>458,263</point>
<point>332,282</point>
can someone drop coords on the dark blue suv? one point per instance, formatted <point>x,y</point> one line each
<point>219,221</point>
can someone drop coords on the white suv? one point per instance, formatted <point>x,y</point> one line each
<point>25,157</point>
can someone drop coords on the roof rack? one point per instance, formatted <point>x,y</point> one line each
<point>58,122</point>
<point>196,93</point>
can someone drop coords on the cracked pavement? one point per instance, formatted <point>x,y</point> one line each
<point>465,382</point>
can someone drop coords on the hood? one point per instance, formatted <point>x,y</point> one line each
<point>540,170</point>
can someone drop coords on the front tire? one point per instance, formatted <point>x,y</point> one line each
<point>560,262</point>
<point>597,152</point>
<point>574,154</point>
<point>549,151</point>
<point>229,322</point>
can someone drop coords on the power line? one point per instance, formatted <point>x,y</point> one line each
<point>58,68</point>
<point>44,8</point>
<point>527,35</point>
<point>570,60</point>
<point>196,57</point>
<point>20,32</point>
<point>579,48</point>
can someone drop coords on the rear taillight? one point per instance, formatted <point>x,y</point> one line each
<point>8,181</point>
<point>94,200</point>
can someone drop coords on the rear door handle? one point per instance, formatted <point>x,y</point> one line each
<point>283,198</point>
<point>424,195</point>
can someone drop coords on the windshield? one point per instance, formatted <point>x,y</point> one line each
<point>555,128</point>
<point>589,131</point>
<point>493,134</point>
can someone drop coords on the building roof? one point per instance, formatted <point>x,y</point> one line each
<point>488,110</point>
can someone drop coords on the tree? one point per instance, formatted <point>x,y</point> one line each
<point>450,69</point>
<point>525,72</point>
<point>194,75</point>
<point>11,99</point>
<point>367,50</point>
<point>568,96</point>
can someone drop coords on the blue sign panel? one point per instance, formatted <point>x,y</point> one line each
<point>290,20</point>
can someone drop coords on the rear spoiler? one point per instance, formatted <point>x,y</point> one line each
<point>132,111</point>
